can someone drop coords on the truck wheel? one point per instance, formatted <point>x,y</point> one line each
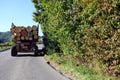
<point>36,50</point>
<point>44,50</point>
<point>13,51</point>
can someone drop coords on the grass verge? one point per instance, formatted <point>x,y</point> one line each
<point>3,48</point>
<point>67,65</point>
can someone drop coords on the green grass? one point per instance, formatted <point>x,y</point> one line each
<point>84,73</point>
<point>79,71</point>
<point>5,47</point>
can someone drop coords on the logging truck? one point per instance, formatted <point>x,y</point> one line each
<point>25,39</point>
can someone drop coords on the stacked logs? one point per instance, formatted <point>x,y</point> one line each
<point>24,33</point>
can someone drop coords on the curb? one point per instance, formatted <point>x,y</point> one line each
<point>58,70</point>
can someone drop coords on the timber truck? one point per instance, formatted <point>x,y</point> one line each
<point>25,39</point>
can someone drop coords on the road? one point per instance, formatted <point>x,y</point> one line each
<point>26,67</point>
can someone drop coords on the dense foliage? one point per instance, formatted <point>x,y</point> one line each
<point>87,30</point>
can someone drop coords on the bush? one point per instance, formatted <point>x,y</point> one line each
<point>84,29</point>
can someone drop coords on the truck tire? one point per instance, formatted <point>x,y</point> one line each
<point>44,50</point>
<point>36,50</point>
<point>13,51</point>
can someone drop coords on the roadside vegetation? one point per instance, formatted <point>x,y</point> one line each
<point>75,71</point>
<point>5,41</point>
<point>3,47</point>
<point>6,45</point>
<point>83,36</point>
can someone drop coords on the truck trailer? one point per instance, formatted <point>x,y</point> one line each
<point>25,39</point>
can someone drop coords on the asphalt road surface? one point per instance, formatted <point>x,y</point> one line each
<point>26,67</point>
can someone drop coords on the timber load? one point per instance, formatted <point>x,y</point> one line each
<point>21,33</point>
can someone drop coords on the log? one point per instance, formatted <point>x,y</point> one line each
<point>35,36</point>
<point>27,38</point>
<point>18,38</point>
<point>24,32</point>
<point>12,30</point>
<point>18,29</point>
<point>29,29</point>
<point>30,38</point>
<point>35,32</point>
<point>34,27</point>
<point>22,38</point>
<point>30,34</point>
<point>18,34</point>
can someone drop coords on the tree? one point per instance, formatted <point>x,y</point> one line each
<point>82,28</point>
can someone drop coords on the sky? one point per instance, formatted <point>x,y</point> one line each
<point>20,12</point>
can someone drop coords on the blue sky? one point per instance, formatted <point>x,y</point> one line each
<point>20,12</point>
